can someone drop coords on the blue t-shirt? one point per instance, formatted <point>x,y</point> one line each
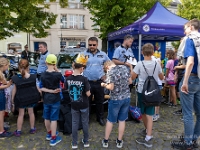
<point>191,51</point>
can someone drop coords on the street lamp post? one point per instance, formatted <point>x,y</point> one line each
<point>61,24</point>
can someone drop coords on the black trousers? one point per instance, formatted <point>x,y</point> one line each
<point>98,93</point>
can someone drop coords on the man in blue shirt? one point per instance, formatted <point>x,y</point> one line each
<point>95,74</point>
<point>42,67</point>
<point>124,52</point>
<point>190,92</point>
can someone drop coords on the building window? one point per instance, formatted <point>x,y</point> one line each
<point>73,21</point>
<point>75,4</point>
<point>81,20</point>
<point>63,21</point>
<point>72,43</point>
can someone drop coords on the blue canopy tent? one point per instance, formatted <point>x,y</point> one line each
<point>157,24</point>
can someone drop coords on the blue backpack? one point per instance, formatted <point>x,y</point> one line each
<point>135,113</point>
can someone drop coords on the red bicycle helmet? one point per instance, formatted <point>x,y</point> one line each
<point>68,73</point>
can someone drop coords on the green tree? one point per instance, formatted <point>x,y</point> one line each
<point>189,9</point>
<point>176,44</point>
<point>111,15</point>
<point>31,16</point>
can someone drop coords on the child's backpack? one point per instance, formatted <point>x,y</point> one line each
<point>135,113</point>
<point>151,94</point>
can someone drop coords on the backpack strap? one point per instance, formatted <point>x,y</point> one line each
<point>146,69</point>
<point>154,68</point>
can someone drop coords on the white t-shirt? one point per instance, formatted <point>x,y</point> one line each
<point>142,75</point>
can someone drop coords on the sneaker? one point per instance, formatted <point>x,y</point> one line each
<point>119,143</point>
<point>168,103</point>
<point>48,136</point>
<point>74,146</point>
<point>6,134</point>
<point>55,141</point>
<point>6,126</point>
<point>194,142</point>
<point>172,105</point>
<point>86,144</point>
<point>178,112</point>
<point>105,143</point>
<point>181,145</point>
<point>32,131</point>
<point>143,133</point>
<point>17,133</point>
<point>155,118</point>
<point>144,142</point>
<point>158,116</point>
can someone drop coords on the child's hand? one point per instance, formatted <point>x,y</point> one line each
<point>9,83</point>
<point>56,90</point>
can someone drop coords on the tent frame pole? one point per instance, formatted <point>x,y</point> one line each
<point>140,46</point>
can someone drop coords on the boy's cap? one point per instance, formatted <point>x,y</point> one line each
<point>81,59</point>
<point>51,59</point>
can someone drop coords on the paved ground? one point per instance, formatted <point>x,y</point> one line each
<point>165,129</point>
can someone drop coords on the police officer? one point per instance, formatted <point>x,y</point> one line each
<point>123,53</point>
<point>42,67</point>
<point>95,74</point>
<point>42,61</point>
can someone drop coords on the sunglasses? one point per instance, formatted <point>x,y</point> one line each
<point>92,44</point>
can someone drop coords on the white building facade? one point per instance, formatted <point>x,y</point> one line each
<point>73,26</point>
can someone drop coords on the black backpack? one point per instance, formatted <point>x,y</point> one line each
<point>151,95</point>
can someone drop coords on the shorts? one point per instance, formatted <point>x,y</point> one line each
<point>118,110</point>
<point>148,110</point>
<point>2,100</point>
<point>51,111</point>
<point>171,83</point>
<point>28,106</point>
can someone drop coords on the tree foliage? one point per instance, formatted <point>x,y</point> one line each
<point>31,16</point>
<point>110,15</point>
<point>189,9</point>
<point>175,44</point>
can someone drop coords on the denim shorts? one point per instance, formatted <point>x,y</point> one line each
<point>148,110</point>
<point>51,111</point>
<point>2,100</point>
<point>118,110</point>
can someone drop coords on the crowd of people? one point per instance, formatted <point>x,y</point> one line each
<point>93,72</point>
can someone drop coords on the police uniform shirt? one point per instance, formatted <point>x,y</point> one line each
<point>42,63</point>
<point>94,67</point>
<point>122,54</point>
